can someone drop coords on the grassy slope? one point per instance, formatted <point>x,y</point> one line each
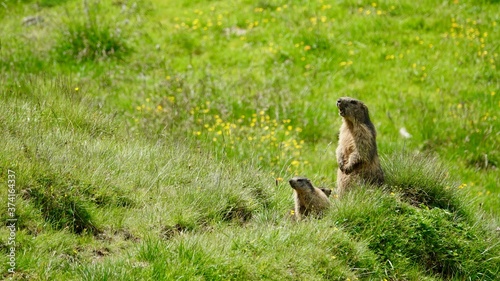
<point>106,190</point>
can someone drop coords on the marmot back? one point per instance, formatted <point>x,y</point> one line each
<point>357,155</point>
<point>308,199</point>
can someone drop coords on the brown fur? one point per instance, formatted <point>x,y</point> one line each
<point>309,199</point>
<point>357,155</point>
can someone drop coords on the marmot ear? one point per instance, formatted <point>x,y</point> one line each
<point>326,191</point>
<point>365,108</point>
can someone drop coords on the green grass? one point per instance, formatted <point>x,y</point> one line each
<point>90,38</point>
<point>153,141</point>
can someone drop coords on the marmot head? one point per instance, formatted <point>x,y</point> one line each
<point>304,184</point>
<point>301,183</point>
<point>353,110</point>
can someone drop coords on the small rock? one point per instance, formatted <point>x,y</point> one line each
<point>32,20</point>
<point>403,132</point>
<point>235,31</point>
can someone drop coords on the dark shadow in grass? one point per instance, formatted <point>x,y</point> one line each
<point>51,3</point>
<point>43,3</point>
<point>61,206</point>
<point>170,231</point>
<point>483,162</point>
<point>236,209</point>
<point>236,213</point>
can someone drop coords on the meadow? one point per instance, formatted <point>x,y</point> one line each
<point>153,140</point>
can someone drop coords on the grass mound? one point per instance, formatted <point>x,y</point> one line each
<point>422,181</point>
<point>421,220</point>
<point>434,241</point>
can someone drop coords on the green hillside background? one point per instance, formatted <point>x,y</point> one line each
<point>153,140</point>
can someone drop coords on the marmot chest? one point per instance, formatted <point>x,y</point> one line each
<point>359,139</point>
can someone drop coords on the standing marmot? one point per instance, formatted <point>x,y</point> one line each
<point>357,151</point>
<point>309,199</point>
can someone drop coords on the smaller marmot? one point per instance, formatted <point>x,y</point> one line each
<point>309,199</point>
<point>357,155</point>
